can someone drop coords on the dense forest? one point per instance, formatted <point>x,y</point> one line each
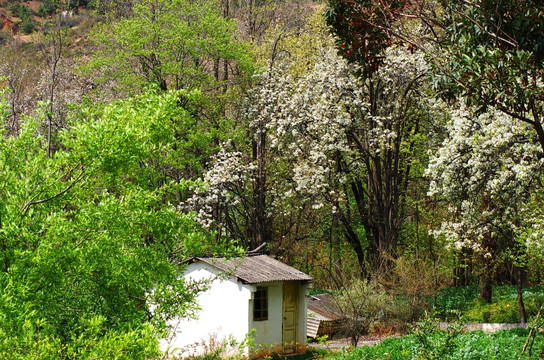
<point>386,148</point>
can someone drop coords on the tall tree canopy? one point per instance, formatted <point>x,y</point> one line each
<point>476,47</point>
<point>91,236</point>
<point>363,28</point>
<point>173,44</point>
<point>486,170</point>
<point>493,56</point>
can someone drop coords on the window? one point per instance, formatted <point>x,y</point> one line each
<point>260,304</point>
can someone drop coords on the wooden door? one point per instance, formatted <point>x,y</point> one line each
<point>290,316</point>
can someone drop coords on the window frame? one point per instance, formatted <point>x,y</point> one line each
<point>260,304</point>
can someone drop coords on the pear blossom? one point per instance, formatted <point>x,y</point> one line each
<point>486,168</point>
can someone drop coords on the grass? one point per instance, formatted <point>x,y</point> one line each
<point>476,345</point>
<point>503,308</point>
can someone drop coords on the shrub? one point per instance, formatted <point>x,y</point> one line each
<point>504,307</point>
<point>48,7</point>
<point>502,311</point>
<point>27,26</point>
<point>15,8</point>
<point>434,343</point>
<point>361,302</point>
<point>24,12</point>
<point>475,345</point>
<point>414,280</point>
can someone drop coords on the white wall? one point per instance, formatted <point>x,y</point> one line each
<point>230,318</point>
<point>269,332</point>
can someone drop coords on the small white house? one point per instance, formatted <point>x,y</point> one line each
<point>255,294</point>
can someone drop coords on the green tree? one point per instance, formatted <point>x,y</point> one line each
<point>363,29</point>
<point>173,44</point>
<point>48,7</point>
<point>27,26</point>
<point>91,236</point>
<point>482,45</point>
<point>493,55</point>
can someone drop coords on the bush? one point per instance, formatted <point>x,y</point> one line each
<point>35,339</point>
<point>361,302</point>
<point>503,309</point>
<point>414,280</point>
<point>433,343</point>
<point>42,11</point>
<point>48,7</point>
<point>27,26</point>
<point>15,8</point>
<point>476,345</point>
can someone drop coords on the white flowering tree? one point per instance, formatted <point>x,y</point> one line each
<point>486,169</point>
<point>242,197</point>
<point>222,202</point>
<point>348,140</point>
<point>327,144</point>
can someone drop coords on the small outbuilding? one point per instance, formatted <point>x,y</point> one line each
<point>324,316</point>
<point>255,295</point>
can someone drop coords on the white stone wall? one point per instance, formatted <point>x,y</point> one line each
<point>226,315</point>
<point>268,333</point>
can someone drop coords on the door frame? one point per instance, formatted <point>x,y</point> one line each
<point>290,299</point>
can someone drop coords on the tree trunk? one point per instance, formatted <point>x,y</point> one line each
<point>259,190</point>
<point>486,289</point>
<point>354,339</point>
<point>519,277</point>
<point>353,240</point>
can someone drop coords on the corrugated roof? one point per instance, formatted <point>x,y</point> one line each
<point>257,269</point>
<point>312,327</point>
<point>324,306</point>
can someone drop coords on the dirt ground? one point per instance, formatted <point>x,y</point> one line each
<point>337,344</point>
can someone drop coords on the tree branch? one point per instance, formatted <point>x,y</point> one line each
<point>60,193</point>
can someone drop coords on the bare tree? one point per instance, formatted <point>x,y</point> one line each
<point>19,72</point>
<point>360,301</point>
<point>52,46</point>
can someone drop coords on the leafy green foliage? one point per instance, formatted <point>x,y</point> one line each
<point>506,344</point>
<point>360,28</point>
<point>172,44</point>
<point>502,309</point>
<point>432,342</point>
<point>91,236</point>
<point>27,26</point>
<point>455,298</point>
<point>19,10</point>
<point>491,44</point>
<point>24,13</point>
<point>48,7</point>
